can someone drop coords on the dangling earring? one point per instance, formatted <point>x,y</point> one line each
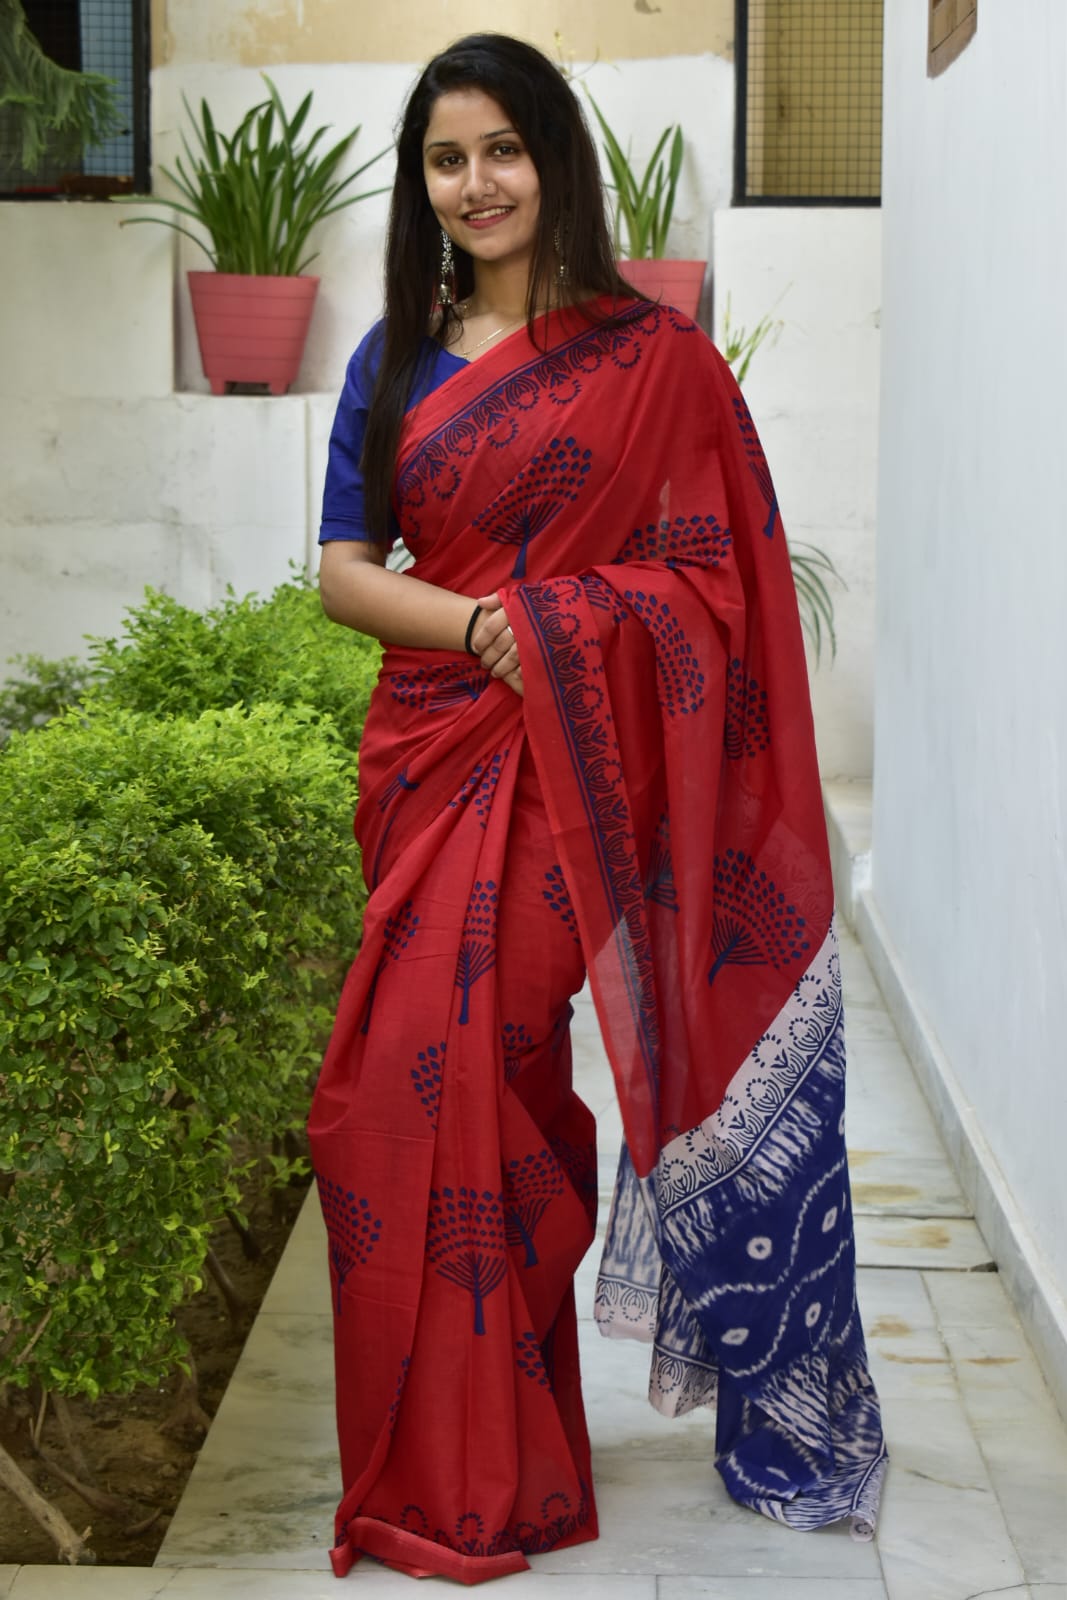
<point>446,288</point>
<point>561,265</point>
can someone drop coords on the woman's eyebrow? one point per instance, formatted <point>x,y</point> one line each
<point>482,138</point>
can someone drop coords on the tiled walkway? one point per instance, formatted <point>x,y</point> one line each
<point>975,1503</point>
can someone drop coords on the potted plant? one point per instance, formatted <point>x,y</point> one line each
<point>257,194</point>
<point>644,207</point>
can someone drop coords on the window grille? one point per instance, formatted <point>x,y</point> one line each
<point>109,37</point>
<point>809,102</point>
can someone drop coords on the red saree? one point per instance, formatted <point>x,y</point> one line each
<point>649,812</point>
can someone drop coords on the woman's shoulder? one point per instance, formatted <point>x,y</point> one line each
<point>365,359</point>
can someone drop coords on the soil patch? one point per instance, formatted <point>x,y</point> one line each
<point>135,1447</point>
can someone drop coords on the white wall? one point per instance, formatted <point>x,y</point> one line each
<point>814,396</point>
<point>970,809</point>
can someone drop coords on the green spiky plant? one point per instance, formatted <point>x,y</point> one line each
<point>644,206</point>
<point>259,191</point>
<point>56,112</point>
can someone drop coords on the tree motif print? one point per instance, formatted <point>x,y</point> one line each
<point>681,681</point>
<point>659,879</point>
<point>559,1519</point>
<point>550,480</point>
<point>757,463</point>
<point>528,1359</point>
<point>467,1536</point>
<point>559,899</point>
<point>579,1164</point>
<point>413,1519</point>
<point>477,951</point>
<point>686,541</point>
<point>516,1040</point>
<point>426,1076</point>
<point>351,1228</point>
<point>530,1186</point>
<point>399,931</point>
<point>603,597</point>
<point>465,1243</point>
<point>400,785</point>
<point>481,786</point>
<point>436,688</point>
<point>747,728</point>
<point>754,924</point>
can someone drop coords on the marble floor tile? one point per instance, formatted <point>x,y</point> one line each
<point>265,1486</point>
<point>744,1588</point>
<point>370,1581</point>
<point>1015,1422</point>
<point>89,1583</point>
<point>942,1534</point>
<point>301,1282</point>
<point>678,1521</point>
<point>927,1243</point>
<point>894,1183</point>
<point>909,1360</point>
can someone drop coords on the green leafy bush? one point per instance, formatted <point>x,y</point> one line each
<point>174,895</point>
<point>244,651</point>
<point>41,689</point>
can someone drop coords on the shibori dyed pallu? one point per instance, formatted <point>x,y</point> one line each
<point>649,812</point>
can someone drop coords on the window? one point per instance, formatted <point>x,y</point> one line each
<point>952,25</point>
<point>109,37</point>
<point>809,102</point>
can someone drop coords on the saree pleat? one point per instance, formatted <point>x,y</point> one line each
<point>649,813</point>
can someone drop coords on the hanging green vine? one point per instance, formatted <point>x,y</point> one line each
<point>55,110</point>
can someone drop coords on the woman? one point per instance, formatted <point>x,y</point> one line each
<point>590,750</point>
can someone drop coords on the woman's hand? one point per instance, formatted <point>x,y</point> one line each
<point>494,643</point>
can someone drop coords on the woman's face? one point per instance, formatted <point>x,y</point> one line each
<point>481,182</point>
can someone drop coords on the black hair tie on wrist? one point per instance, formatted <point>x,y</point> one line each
<point>470,630</point>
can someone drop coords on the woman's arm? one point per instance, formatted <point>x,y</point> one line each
<point>358,590</point>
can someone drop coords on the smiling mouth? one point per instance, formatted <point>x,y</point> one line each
<point>490,214</point>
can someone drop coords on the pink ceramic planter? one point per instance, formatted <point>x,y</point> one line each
<point>251,329</point>
<point>672,283</point>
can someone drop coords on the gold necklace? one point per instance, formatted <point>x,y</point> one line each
<point>514,323</point>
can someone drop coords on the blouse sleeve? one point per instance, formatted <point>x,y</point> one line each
<point>342,498</point>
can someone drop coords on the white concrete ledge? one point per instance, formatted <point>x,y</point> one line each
<point>847,804</point>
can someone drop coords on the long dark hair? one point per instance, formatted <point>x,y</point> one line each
<point>545,113</point>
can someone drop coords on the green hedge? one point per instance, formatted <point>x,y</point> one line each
<point>179,893</point>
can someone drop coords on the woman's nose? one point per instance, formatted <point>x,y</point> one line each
<point>478,180</point>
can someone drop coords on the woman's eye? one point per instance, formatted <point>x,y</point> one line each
<point>506,150</point>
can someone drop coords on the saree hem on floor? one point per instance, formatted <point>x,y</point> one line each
<point>649,815</point>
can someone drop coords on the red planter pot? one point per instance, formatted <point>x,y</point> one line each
<point>251,329</point>
<point>672,283</point>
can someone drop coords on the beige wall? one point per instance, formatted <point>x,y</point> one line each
<point>262,32</point>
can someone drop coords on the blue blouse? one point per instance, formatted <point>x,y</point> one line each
<point>342,498</point>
